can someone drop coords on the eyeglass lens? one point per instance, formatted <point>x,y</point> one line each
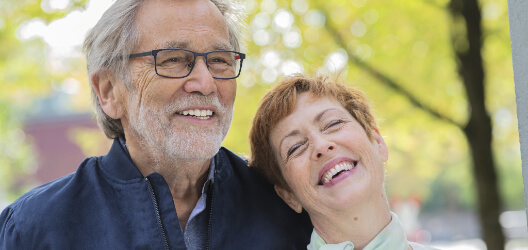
<point>178,63</point>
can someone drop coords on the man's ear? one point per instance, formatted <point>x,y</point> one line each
<point>382,147</point>
<point>106,87</point>
<point>289,198</point>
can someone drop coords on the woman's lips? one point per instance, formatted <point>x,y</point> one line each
<point>335,168</point>
<point>340,177</point>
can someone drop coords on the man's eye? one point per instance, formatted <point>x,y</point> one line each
<point>172,60</point>
<point>220,61</point>
<point>217,60</point>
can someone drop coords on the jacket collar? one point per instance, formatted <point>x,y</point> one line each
<point>118,164</point>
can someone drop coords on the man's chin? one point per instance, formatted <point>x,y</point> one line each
<point>194,147</point>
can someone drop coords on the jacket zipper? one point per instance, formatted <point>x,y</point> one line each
<point>158,213</point>
<point>211,213</point>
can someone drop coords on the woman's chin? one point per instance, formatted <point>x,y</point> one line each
<point>346,193</point>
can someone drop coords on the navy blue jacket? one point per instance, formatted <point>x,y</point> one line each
<point>108,204</point>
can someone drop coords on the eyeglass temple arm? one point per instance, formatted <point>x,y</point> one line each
<point>148,53</point>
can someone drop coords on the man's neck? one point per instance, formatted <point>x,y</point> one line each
<point>186,193</point>
<point>184,177</point>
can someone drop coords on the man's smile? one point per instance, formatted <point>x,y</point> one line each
<point>201,114</point>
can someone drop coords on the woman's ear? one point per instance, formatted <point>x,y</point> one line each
<point>289,198</point>
<point>382,147</point>
<point>105,86</point>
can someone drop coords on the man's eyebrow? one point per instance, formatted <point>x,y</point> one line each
<point>222,46</point>
<point>177,45</point>
<point>292,133</point>
<point>187,45</point>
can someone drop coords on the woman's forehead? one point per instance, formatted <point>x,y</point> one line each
<point>309,109</point>
<point>314,100</point>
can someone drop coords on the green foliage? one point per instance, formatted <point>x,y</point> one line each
<point>15,154</point>
<point>24,76</point>
<point>409,42</point>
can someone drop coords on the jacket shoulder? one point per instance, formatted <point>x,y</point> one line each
<point>54,191</point>
<point>256,214</point>
<point>233,164</point>
<point>41,208</point>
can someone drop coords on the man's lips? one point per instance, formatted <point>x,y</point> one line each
<point>334,168</point>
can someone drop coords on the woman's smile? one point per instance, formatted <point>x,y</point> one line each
<point>333,172</point>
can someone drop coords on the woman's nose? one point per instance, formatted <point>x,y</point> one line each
<point>322,147</point>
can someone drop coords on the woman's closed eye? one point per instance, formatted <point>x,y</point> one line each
<point>334,124</point>
<point>294,149</point>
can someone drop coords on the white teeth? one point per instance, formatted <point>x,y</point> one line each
<point>328,176</point>
<point>326,180</point>
<point>202,114</point>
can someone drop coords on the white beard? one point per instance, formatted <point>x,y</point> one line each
<point>159,132</point>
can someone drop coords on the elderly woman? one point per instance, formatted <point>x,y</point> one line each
<point>317,142</point>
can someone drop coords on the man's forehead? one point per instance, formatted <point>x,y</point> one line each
<point>187,9</point>
<point>195,25</point>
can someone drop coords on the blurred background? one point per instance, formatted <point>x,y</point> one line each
<point>439,74</point>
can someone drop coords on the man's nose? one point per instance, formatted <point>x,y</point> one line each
<point>200,80</point>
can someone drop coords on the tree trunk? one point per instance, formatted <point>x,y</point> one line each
<point>478,130</point>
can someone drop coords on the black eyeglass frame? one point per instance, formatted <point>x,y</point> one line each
<point>196,54</point>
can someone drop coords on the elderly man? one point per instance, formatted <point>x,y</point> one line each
<point>163,79</point>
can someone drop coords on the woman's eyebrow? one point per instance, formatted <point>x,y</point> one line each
<point>320,115</point>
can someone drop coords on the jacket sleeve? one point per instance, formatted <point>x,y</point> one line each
<point>9,236</point>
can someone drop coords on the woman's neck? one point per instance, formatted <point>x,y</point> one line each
<point>358,225</point>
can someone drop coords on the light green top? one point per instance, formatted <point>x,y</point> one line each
<point>391,237</point>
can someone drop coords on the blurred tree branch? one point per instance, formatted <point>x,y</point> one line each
<point>380,76</point>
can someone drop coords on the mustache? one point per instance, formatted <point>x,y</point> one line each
<point>195,100</point>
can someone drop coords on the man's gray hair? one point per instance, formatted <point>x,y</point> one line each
<point>114,37</point>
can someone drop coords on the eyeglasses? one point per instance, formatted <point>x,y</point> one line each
<point>178,63</point>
